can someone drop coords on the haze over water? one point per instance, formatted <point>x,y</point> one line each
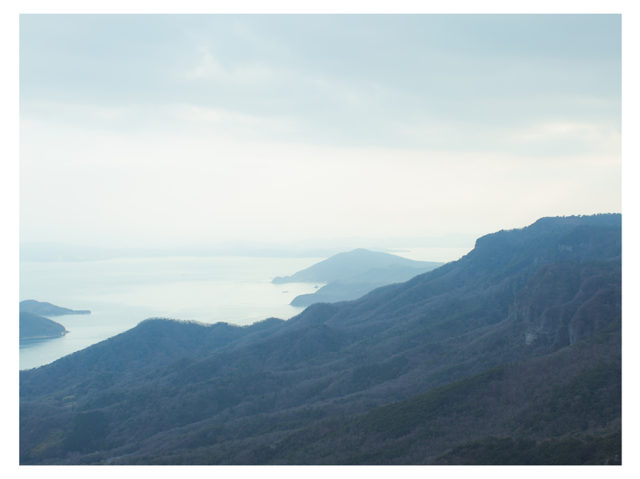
<point>287,129</point>
<point>122,292</point>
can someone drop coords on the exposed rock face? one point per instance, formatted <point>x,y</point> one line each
<point>567,302</point>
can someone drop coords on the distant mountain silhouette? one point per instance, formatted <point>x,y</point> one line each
<point>352,274</point>
<point>33,326</point>
<point>509,355</point>
<point>47,309</point>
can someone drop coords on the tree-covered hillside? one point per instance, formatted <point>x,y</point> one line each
<point>509,355</point>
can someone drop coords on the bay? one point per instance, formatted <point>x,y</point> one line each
<point>123,292</point>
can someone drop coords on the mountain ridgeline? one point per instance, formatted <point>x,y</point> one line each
<point>510,355</point>
<point>354,273</point>
<point>35,326</point>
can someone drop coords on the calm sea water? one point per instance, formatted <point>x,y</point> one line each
<point>122,292</point>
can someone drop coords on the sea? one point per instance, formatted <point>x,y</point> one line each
<point>120,293</point>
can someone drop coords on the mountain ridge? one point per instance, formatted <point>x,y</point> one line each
<point>251,400</point>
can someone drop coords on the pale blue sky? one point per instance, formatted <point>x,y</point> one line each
<point>282,128</point>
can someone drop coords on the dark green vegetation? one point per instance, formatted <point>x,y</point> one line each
<point>47,309</point>
<point>510,355</point>
<point>353,274</point>
<point>33,326</point>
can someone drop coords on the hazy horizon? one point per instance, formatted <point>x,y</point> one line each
<point>441,249</point>
<point>186,182</point>
<point>169,131</point>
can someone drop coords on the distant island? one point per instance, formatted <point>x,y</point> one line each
<point>34,325</point>
<point>48,309</point>
<point>354,273</point>
<point>509,355</point>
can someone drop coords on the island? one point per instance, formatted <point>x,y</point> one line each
<point>352,274</point>
<point>33,326</point>
<point>47,309</point>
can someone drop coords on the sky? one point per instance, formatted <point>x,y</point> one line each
<point>400,130</point>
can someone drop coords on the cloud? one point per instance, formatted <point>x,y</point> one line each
<point>209,68</point>
<point>541,138</point>
<point>588,132</point>
<point>149,120</point>
<point>297,126</point>
<point>97,185</point>
<point>237,123</point>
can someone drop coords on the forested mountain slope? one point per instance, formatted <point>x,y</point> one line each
<point>511,353</point>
